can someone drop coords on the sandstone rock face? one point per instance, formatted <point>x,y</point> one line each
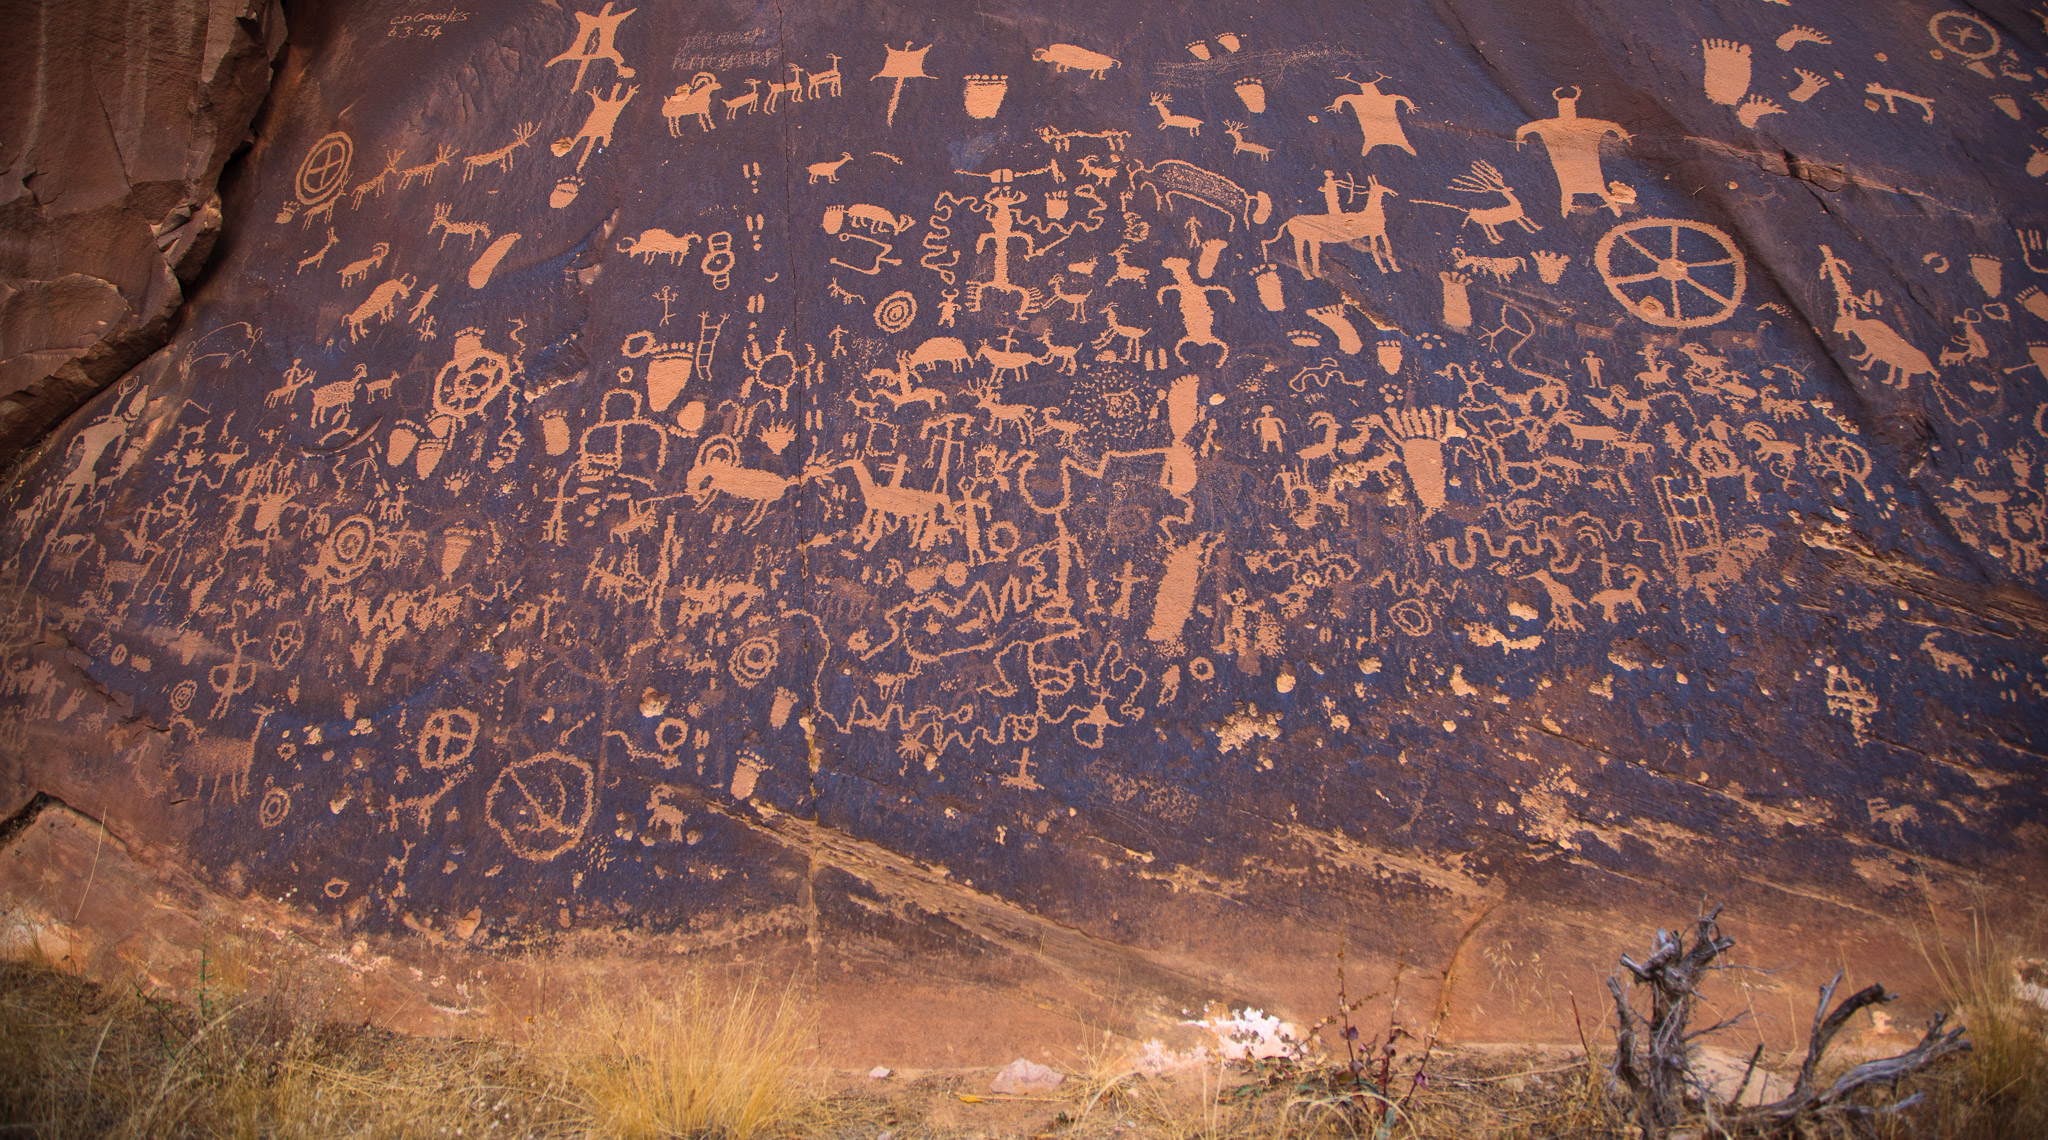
<point>115,122</point>
<point>1106,507</point>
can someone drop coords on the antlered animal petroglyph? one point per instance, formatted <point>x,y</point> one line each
<point>540,595</point>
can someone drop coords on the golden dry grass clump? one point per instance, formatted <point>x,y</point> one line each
<point>79,1060</point>
<point>1997,982</point>
<point>700,1060</point>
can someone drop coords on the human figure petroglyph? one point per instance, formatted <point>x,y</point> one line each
<point>1196,314</point>
<point>295,378</point>
<point>1313,231</point>
<point>1006,362</point>
<point>1486,179</point>
<point>596,38</point>
<point>1003,232</point>
<point>1574,146</point>
<point>1269,428</point>
<point>1378,114</point>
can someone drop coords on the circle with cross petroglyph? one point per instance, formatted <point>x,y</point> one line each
<point>324,169</point>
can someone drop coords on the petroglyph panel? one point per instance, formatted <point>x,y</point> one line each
<point>1246,460</point>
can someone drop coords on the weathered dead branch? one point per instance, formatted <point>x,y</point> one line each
<point>1653,1059</point>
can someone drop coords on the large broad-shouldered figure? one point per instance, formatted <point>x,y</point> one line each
<point>1574,145</point>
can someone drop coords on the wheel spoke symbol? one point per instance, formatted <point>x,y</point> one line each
<point>1672,273</point>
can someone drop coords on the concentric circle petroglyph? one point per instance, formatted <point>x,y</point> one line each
<point>895,312</point>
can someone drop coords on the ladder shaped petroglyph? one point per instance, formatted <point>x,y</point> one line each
<point>981,455</point>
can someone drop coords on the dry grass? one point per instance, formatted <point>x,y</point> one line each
<point>2000,1091</point>
<point>713,1059</point>
<point>728,1061</point>
<point>77,1060</point>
